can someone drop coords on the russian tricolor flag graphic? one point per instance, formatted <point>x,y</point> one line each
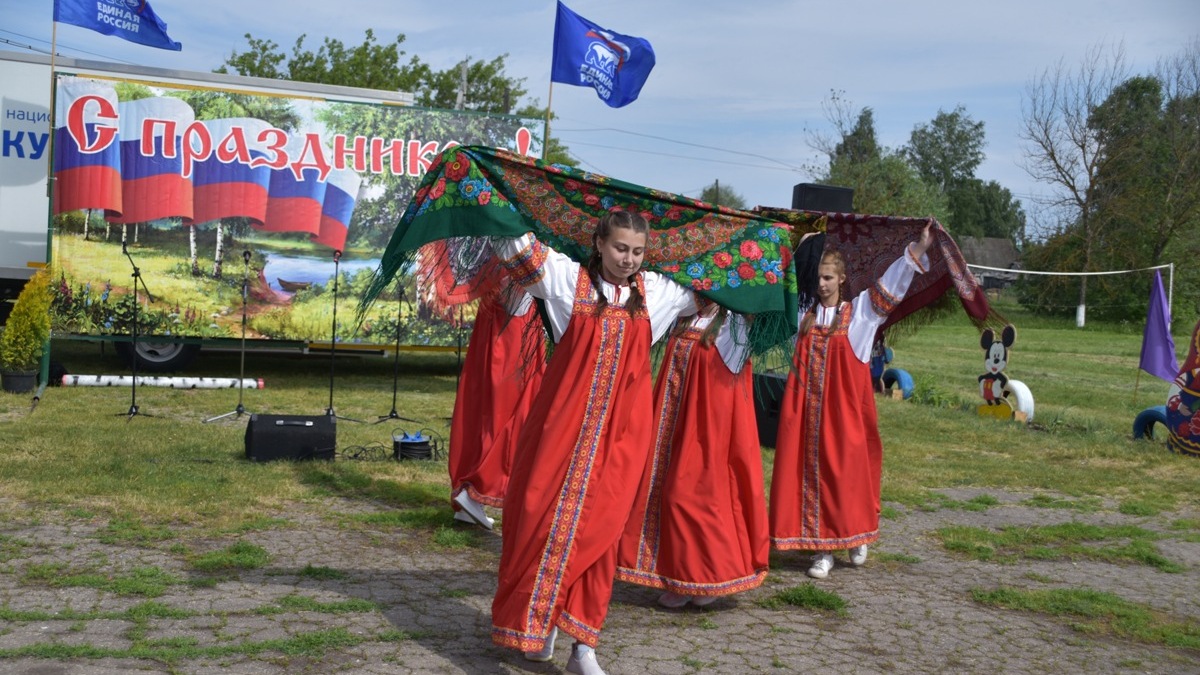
<point>341,193</point>
<point>87,156</point>
<point>226,186</point>
<point>152,181</point>
<point>294,205</point>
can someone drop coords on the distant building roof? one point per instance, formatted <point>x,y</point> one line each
<point>990,252</point>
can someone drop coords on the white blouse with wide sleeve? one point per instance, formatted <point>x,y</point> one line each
<point>732,340</point>
<point>556,275</point>
<point>865,320</point>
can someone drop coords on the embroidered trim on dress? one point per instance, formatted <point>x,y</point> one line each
<point>526,268</point>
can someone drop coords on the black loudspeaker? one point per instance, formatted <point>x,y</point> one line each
<point>768,394</point>
<point>813,197</point>
<point>270,437</point>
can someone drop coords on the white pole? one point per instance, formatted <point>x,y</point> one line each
<point>1170,292</point>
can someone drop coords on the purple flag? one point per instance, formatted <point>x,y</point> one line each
<point>1158,349</point>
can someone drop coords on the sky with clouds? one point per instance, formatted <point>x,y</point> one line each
<point>738,87</point>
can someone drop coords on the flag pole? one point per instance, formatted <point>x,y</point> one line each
<point>44,369</point>
<point>50,112</point>
<point>546,126</point>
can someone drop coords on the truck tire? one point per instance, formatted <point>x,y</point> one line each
<point>1143,424</point>
<point>159,356</point>
<point>1020,397</point>
<point>900,378</point>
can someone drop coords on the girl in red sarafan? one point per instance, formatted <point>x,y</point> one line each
<point>825,492</point>
<point>502,372</point>
<point>699,526</point>
<point>582,450</point>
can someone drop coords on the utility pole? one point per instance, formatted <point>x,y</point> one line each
<point>462,88</point>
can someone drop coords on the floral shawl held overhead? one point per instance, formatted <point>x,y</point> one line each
<point>739,260</point>
<point>871,243</point>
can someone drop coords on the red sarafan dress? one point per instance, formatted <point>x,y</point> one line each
<point>699,526</point>
<point>580,453</point>
<point>500,376</point>
<point>825,487</point>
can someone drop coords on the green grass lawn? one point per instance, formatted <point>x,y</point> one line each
<point>77,450</point>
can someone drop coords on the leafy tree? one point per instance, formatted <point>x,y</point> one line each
<point>883,182</point>
<point>369,65</point>
<point>985,209</point>
<point>1135,201</point>
<point>1066,152</point>
<point>946,151</point>
<point>859,144</point>
<point>722,195</point>
<point>554,151</point>
<point>482,89</point>
<point>471,85</point>
<point>887,185</point>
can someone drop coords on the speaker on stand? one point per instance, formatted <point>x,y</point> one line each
<point>816,197</point>
<point>768,394</point>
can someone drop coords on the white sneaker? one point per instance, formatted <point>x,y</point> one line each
<point>473,509</point>
<point>673,600</point>
<point>821,564</point>
<point>547,652</point>
<point>583,661</point>
<point>858,555</point>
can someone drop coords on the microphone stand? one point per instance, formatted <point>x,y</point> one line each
<point>137,279</point>
<point>240,410</point>
<point>393,415</point>
<point>337,256</point>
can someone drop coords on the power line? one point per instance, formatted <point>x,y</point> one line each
<point>688,143</point>
<point>59,45</point>
<point>697,159</point>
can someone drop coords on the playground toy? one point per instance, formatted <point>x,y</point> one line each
<point>1004,398</point>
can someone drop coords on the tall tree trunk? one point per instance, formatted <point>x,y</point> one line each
<point>192,255</point>
<point>136,229</point>
<point>1081,308</point>
<point>219,255</point>
<point>87,220</point>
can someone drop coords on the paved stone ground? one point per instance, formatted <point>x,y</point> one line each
<point>908,612</point>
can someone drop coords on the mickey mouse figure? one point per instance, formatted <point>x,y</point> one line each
<point>992,383</point>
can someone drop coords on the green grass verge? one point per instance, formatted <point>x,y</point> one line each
<point>1066,541</point>
<point>1099,612</point>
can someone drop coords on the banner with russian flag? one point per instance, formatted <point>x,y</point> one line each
<point>209,170</point>
<point>341,194</point>
<point>152,182</point>
<point>227,185</point>
<point>295,195</point>
<point>87,154</point>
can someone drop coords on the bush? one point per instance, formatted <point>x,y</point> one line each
<point>28,326</point>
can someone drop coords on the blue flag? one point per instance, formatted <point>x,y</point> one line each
<point>586,55</point>
<point>131,20</point>
<point>1158,348</point>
